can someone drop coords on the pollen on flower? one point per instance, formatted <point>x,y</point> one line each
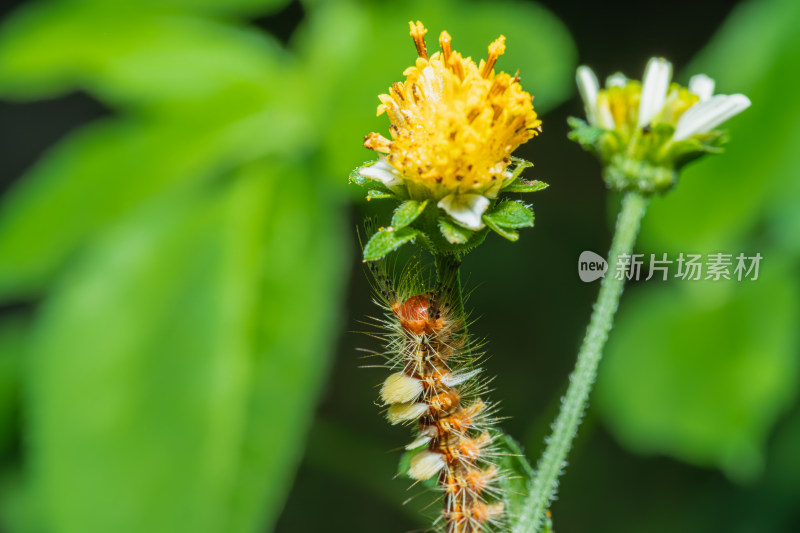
<point>454,123</point>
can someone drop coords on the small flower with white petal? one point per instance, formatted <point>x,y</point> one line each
<point>644,132</point>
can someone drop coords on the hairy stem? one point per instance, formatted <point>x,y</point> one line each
<point>565,427</point>
<point>448,267</point>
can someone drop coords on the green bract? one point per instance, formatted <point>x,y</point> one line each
<point>433,222</point>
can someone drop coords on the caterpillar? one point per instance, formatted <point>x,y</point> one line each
<point>436,387</point>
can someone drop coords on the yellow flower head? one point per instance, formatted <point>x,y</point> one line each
<point>454,124</point>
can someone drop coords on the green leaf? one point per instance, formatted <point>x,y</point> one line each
<point>510,214</point>
<point>212,7</point>
<point>171,354</point>
<point>217,113</point>
<point>522,186</point>
<point>377,191</point>
<point>96,177</point>
<point>454,233</point>
<point>668,387</point>
<point>135,56</point>
<point>375,194</point>
<point>714,399</point>
<point>407,212</point>
<point>509,234</point>
<point>520,166</point>
<point>386,241</point>
<point>516,475</point>
<point>584,134</point>
<point>356,177</point>
<point>757,173</point>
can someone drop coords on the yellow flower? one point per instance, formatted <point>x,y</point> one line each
<point>454,125</point>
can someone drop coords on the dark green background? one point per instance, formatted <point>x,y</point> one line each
<point>181,285</point>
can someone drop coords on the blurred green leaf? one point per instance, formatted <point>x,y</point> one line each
<point>100,173</point>
<point>134,56</point>
<point>214,7</point>
<point>702,372</point>
<point>712,399</point>
<point>582,133</point>
<point>342,41</point>
<point>169,358</point>
<point>515,474</point>
<point>97,176</point>
<point>335,449</point>
<point>12,346</point>
<point>760,164</point>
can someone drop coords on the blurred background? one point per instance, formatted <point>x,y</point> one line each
<point>181,289</point>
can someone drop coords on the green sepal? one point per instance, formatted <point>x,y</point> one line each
<point>407,212</point>
<point>358,179</point>
<point>681,152</point>
<point>510,214</point>
<point>377,190</point>
<point>377,194</point>
<point>387,240</point>
<point>584,134</point>
<point>523,186</point>
<point>509,234</point>
<point>454,233</point>
<point>623,173</point>
<point>521,164</point>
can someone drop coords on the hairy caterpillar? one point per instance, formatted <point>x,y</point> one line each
<point>436,387</point>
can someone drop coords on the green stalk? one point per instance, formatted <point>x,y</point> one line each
<point>565,427</point>
<point>448,267</point>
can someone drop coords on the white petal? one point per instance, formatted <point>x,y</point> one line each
<point>605,119</point>
<point>617,80</point>
<point>466,209</point>
<point>383,172</point>
<point>654,89</point>
<point>588,87</point>
<point>705,116</point>
<point>702,86</point>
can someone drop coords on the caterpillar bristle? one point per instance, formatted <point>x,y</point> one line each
<point>437,385</point>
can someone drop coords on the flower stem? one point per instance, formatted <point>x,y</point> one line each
<point>565,427</point>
